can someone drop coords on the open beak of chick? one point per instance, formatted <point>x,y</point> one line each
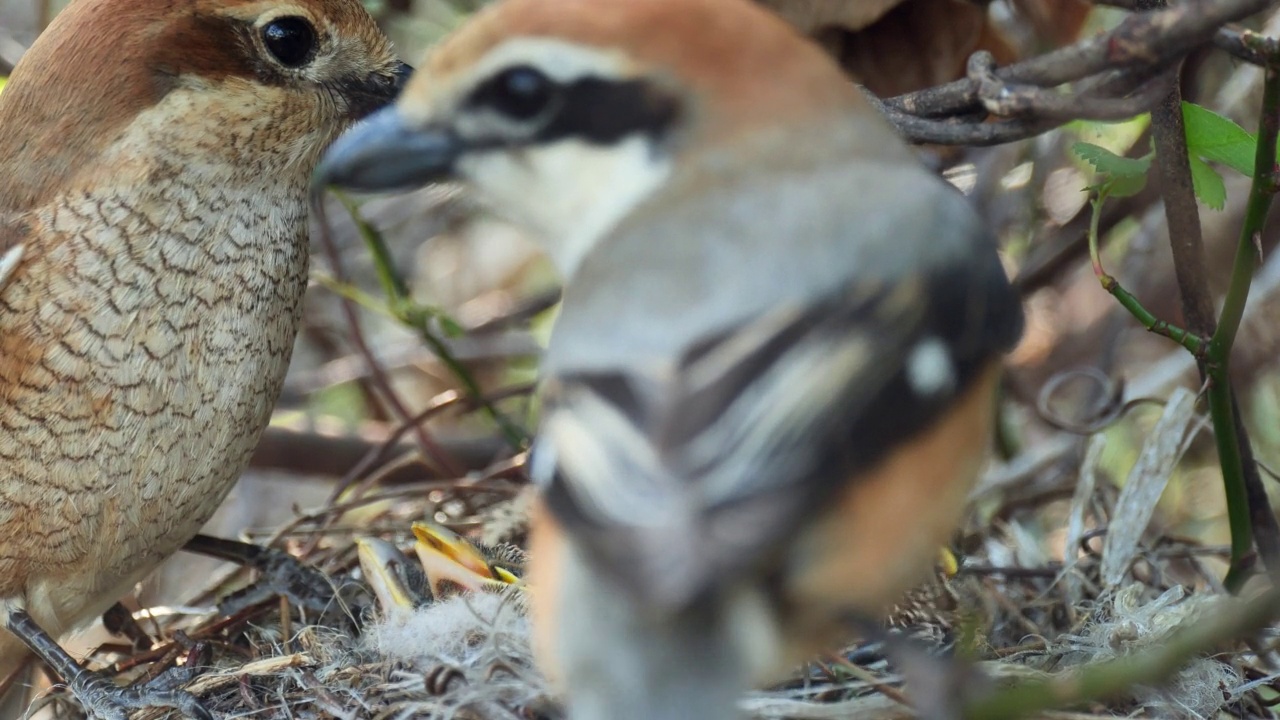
<point>450,560</point>
<point>447,564</point>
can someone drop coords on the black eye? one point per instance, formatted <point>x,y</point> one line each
<point>291,39</point>
<point>521,93</point>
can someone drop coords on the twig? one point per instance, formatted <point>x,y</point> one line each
<point>1187,244</point>
<point>1099,74</point>
<point>439,404</point>
<point>1247,45</point>
<point>314,454</point>
<point>376,373</point>
<point>1009,99</point>
<point>1192,342</point>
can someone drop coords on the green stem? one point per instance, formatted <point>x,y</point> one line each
<point>1261,192</point>
<point>1189,340</point>
<point>420,319</point>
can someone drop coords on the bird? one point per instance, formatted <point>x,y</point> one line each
<point>154,172</point>
<point>772,379</point>
<point>396,583</point>
<point>449,564</point>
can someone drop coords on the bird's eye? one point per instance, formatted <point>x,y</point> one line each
<point>291,40</point>
<point>521,93</point>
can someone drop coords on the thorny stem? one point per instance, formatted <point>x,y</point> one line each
<point>1192,342</point>
<point>1221,405</point>
<point>419,318</point>
<point>1248,512</point>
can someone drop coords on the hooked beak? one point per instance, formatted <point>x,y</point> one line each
<point>375,91</point>
<point>384,154</point>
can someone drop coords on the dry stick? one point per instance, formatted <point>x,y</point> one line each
<point>376,373</point>
<point>1099,72</point>
<point>438,404</point>
<point>1141,39</point>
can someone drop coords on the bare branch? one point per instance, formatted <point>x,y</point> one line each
<point>1104,77</point>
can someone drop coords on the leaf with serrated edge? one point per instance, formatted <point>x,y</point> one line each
<point>1217,139</point>
<point>1109,163</point>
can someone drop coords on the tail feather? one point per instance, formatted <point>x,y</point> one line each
<point>624,661</point>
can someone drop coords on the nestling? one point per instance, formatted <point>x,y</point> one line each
<point>153,256</point>
<point>771,383</point>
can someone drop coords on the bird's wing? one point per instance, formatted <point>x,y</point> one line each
<point>679,465</point>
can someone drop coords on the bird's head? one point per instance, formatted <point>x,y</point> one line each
<point>565,116</point>
<point>255,83</point>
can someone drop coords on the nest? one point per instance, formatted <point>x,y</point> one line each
<point>1008,614</point>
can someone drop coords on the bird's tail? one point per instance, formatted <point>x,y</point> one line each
<point>623,662</point>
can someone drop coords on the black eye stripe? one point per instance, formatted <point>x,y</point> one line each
<point>592,109</point>
<point>520,93</point>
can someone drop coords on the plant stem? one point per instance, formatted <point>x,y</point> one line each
<point>419,318</point>
<point>1192,342</point>
<point>1248,511</point>
<point>1218,359</point>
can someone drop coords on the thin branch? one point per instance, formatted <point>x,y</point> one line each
<point>377,374</point>
<point>1193,343</point>
<point>1187,245</point>
<point>321,455</point>
<point>1149,38</point>
<point>1096,78</point>
<point>1247,45</point>
<point>421,319</point>
<point>1010,99</point>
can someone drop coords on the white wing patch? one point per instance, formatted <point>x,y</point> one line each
<point>930,370</point>
<point>8,263</point>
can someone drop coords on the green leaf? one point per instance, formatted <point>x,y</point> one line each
<point>1119,176</point>
<point>1208,184</point>
<point>1126,185</point>
<point>1109,163</point>
<point>1217,139</point>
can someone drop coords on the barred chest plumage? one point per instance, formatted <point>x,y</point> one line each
<point>141,351</point>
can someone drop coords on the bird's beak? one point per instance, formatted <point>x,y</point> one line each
<point>448,558</point>
<point>384,154</point>
<point>443,541</point>
<point>376,90</point>
<point>401,73</point>
<point>385,569</point>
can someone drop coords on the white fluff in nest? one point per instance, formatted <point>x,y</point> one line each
<point>1123,624</point>
<point>457,629</point>
<point>483,638</point>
